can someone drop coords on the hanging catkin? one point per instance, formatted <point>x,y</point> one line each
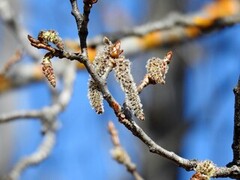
<point>125,78</point>
<point>103,66</point>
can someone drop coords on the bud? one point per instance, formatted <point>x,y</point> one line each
<point>168,57</point>
<point>115,50</point>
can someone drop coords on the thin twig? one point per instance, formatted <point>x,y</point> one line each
<point>42,153</point>
<point>119,153</point>
<point>12,116</point>
<point>11,61</point>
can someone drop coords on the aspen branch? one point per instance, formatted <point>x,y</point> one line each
<point>181,28</point>
<point>4,118</point>
<point>153,147</point>
<point>131,125</point>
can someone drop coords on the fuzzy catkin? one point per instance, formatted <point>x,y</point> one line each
<point>206,167</point>
<point>48,70</point>
<point>95,97</point>
<point>103,66</point>
<point>51,36</point>
<point>125,78</point>
<point>157,70</point>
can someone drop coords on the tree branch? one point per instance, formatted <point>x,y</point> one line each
<point>12,116</point>
<point>47,116</point>
<point>236,133</point>
<point>42,153</point>
<point>181,28</point>
<point>132,126</point>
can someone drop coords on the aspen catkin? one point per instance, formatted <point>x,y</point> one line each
<point>125,78</point>
<point>48,69</point>
<point>51,36</point>
<point>103,66</point>
<point>157,68</point>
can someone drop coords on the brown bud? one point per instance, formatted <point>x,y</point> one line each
<point>168,57</point>
<point>115,50</point>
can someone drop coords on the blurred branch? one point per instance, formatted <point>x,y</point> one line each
<point>42,153</point>
<point>119,154</point>
<point>11,21</point>
<point>48,116</point>
<point>4,118</point>
<point>11,61</point>
<point>175,28</point>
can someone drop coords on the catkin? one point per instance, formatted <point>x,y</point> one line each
<point>51,36</point>
<point>125,78</point>
<point>157,70</point>
<point>103,66</point>
<point>206,167</point>
<point>107,59</point>
<point>95,97</point>
<point>48,70</point>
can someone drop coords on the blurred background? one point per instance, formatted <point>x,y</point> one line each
<point>192,114</point>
